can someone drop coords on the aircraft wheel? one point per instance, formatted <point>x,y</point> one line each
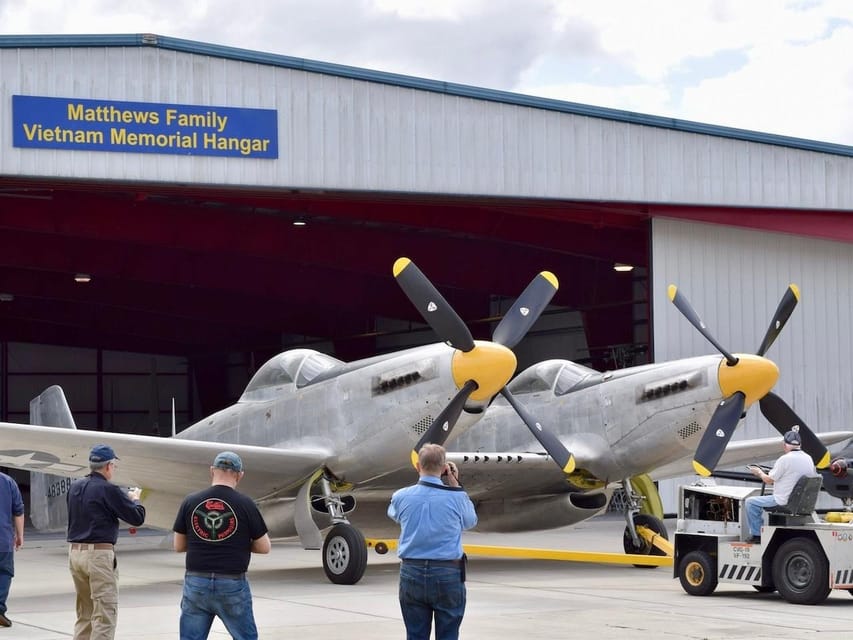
<point>697,573</point>
<point>344,554</point>
<point>645,549</point>
<point>801,572</point>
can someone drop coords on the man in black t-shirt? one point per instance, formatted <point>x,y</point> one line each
<point>219,528</point>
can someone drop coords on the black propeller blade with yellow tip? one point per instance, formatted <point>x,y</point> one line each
<point>526,310</point>
<point>783,312</point>
<point>683,305</point>
<point>745,379</point>
<point>718,433</point>
<point>783,418</point>
<point>547,439</point>
<point>432,306</point>
<point>480,369</point>
<point>440,428</point>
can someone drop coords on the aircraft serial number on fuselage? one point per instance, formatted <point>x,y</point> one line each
<point>59,488</point>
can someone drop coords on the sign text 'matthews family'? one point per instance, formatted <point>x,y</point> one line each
<point>143,127</point>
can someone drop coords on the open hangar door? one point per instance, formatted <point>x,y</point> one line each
<point>190,289</point>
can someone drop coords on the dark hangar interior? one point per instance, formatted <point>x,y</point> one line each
<point>201,272</point>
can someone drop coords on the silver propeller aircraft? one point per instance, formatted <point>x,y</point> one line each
<point>624,427</point>
<point>326,442</point>
<point>310,428</point>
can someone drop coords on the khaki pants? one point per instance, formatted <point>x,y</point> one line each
<point>95,578</point>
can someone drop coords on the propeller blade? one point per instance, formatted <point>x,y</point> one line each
<point>783,312</point>
<point>719,432</point>
<point>526,310</point>
<point>433,307</point>
<point>547,439</point>
<point>441,427</point>
<point>783,418</point>
<point>682,304</point>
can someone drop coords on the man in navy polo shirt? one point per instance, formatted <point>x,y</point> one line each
<point>95,505</point>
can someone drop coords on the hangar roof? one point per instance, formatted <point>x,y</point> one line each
<point>412,82</point>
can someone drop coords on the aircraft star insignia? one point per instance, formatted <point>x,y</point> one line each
<point>720,433</point>
<point>524,311</point>
<point>432,306</point>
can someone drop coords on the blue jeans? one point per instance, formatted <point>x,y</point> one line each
<point>7,570</point>
<point>206,598</point>
<point>428,591</point>
<point>755,511</point>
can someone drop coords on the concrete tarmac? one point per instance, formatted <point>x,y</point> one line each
<point>507,598</point>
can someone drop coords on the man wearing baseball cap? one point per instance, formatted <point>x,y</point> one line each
<point>219,528</point>
<point>95,506</point>
<point>789,468</point>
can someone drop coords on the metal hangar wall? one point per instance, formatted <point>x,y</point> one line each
<point>735,277</point>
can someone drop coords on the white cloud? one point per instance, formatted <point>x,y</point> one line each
<point>799,90</point>
<point>770,65</point>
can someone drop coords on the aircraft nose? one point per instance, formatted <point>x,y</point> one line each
<point>753,376</point>
<point>489,364</point>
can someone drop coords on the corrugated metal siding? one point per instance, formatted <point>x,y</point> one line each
<point>343,133</point>
<point>735,278</point>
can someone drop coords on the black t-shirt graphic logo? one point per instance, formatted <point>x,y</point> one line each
<point>214,520</point>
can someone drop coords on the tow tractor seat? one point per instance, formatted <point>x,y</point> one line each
<point>801,503</point>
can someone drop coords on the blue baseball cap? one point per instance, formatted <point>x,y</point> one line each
<point>102,453</point>
<point>229,461</point>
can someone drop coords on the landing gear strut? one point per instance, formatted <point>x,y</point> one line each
<point>344,549</point>
<point>642,509</point>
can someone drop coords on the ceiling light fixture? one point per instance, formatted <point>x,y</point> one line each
<point>6,297</point>
<point>82,277</point>
<point>623,267</point>
<point>300,222</point>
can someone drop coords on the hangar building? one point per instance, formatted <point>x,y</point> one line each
<point>172,213</point>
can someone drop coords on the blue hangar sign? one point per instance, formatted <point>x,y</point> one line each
<point>143,127</point>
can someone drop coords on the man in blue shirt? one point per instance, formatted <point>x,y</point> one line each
<point>95,506</point>
<point>11,537</point>
<point>432,516</point>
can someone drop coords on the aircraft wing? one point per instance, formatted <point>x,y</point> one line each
<point>741,452</point>
<point>170,466</point>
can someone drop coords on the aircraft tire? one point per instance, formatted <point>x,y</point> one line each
<point>645,549</point>
<point>697,573</point>
<point>801,572</point>
<point>344,554</point>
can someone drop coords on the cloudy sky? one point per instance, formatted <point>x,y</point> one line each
<point>780,66</point>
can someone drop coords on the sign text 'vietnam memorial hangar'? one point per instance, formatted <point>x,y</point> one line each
<point>143,127</point>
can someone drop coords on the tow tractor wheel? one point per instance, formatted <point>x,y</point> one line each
<point>645,548</point>
<point>801,572</point>
<point>344,554</point>
<point>698,573</point>
<point>760,588</point>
